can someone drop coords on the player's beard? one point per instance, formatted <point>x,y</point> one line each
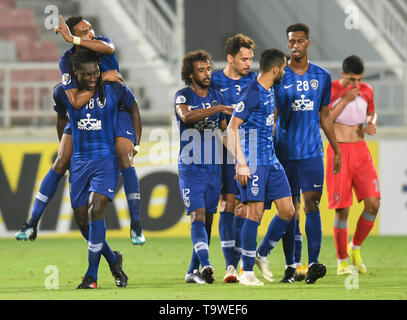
<point>278,79</point>
<point>202,84</point>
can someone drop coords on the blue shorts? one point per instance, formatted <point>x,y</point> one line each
<point>267,183</point>
<point>200,189</point>
<point>124,127</point>
<point>97,175</point>
<point>304,175</point>
<point>229,185</point>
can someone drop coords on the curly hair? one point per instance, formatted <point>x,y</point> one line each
<point>188,63</point>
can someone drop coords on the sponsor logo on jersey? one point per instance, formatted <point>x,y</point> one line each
<point>270,120</point>
<point>89,123</point>
<point>303,104</point>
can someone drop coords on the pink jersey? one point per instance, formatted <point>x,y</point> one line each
<point>355,112</point>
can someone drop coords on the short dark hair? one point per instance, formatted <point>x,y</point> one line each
<point>298,27</point>
<point>73,21</point>
<point>270,58</point>
<point>353,64</point>
<point>83,56</point>
<point>238,41</point>
<point>188,63</point>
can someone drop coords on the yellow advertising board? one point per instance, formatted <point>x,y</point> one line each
<point>24,165</point>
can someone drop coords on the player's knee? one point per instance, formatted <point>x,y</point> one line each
<point>372,206</point>
<point>124,161</point>
<point>311,205</point>
<point>198,215</point>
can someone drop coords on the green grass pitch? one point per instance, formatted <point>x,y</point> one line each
<point>156,272</point>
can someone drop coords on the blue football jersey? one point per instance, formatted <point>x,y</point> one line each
<point>94,125</point>
<point>107,62</point>
<point>199,149</point>
<point>230,88</point>
<point>298,100</point>
<point>256,109</point>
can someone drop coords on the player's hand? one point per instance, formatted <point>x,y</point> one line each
<point>351,94</point>
<point>227,110</point>
<point>113,76</point>
<point>370,129</point>
<point>64,30</point>
<point>337,162</point>
<point>243,174</point>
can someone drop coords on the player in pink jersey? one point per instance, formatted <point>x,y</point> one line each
<point>352,106</point>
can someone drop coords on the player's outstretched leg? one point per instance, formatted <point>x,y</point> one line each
<point>47,189</point>
<point>132,191</point>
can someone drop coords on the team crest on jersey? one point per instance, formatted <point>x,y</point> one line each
<point>100,103</point>
<point>180,100</point>
<point>255,191</point>
<point>66,79</point>
<point>214,103</point>
<point>337,197</point>
<point>239,107</point>
<point>314,84</point>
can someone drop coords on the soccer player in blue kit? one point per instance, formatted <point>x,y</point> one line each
<point>79,32</point>
<point>199,111</point>
<point>260,175</point>
<point>230,81</point>
<point>94,168</point>
<point>302,101</point>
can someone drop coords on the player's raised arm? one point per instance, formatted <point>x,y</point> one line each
<point>83,35</point>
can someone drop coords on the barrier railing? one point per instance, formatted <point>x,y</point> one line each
<point>27,102</point>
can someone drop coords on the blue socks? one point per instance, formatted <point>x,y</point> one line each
<point>275,232</point>
<point>297,243</point>
<point>226,234</point>
<point>200,241</point>
<point>47,189</point>
<point>106,250</point>
<point>132,190</point>
<point>249,244</point>
<point>289,243</point>
<point>97,235</point>
<point>313,229</point>
<point>237,227</point>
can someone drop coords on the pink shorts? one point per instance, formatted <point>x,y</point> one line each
<point>357,172</point>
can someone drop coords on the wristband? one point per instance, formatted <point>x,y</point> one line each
<point>76,41</point>
<point>136,148</point>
